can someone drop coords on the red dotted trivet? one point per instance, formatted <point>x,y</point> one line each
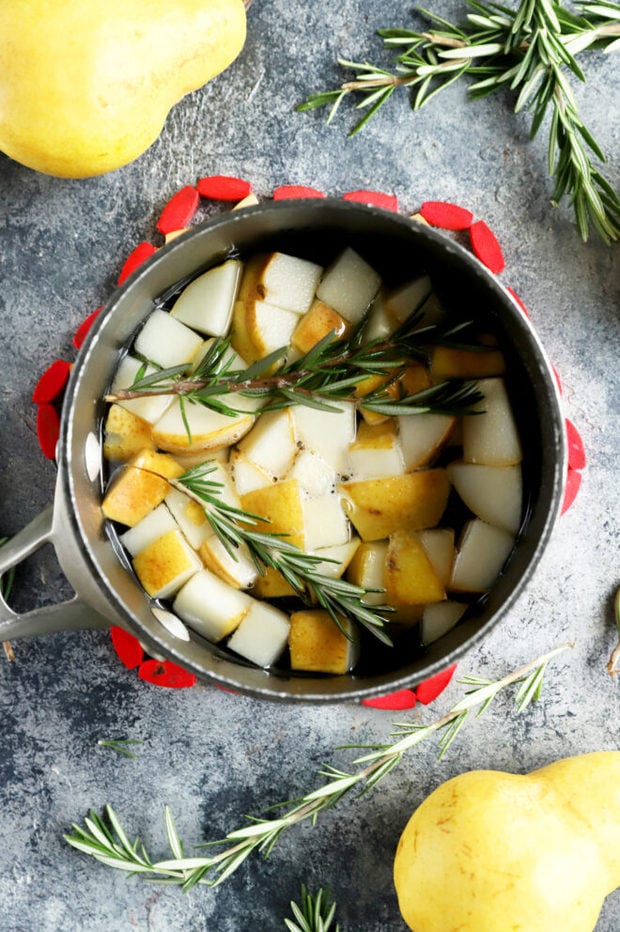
<point>177,215</point>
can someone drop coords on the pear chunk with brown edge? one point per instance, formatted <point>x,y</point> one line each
<point>140,486</point>
<point>166,564</point>
<point>367,569</point>
<point>317,644</point>
<point>410,578</point>
<point>535,852</point>
<point>125,434</point>
<point>380,507</point>
<point>281,507</point>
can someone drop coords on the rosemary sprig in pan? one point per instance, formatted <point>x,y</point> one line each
<point>236,529</point>
<point>315,914</point>
<point>105,839</point>
<point>326,374</point>
<point>529,51</point>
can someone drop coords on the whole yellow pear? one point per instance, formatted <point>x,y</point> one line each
<point>496,852</point>
<point>85,87</point>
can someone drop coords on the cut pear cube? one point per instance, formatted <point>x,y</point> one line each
<point>246,475</point>
<point>209,430</point>
<point>422,436</point>
<point>318,645</point>
<point>280,504</point>
<point>401,302</point>
<point>166,341</point>
<point>190,516</point>
<point>153,526</point>
<point>288,282</point>
<point>315,476</point>
<point>336,559</point>
<point>379,507</point>
<point>450,363</point>
<point>438,543</point>
<point>481,554</point>
<point>491,438</point>
<point>166,564</point>
<point>367,569</point>
<point>125,434</point>
<point>379,324</point>
<point>139,487</point>
<point>349,285</point>
<point>261,328</point>
<point>326,433</point>
<point>376,452</point>
<point>325,523</point>
<point>493,493</point>
<point>207,303</point>
<point>410,578</point>
<point>271,445</point>
<point>210,606</point>
<point>262,635</point>
<point>439,618</point>
<point>238,571</point>
<point>151,407</point>
<point>272,585</point>
<point>314,326</point>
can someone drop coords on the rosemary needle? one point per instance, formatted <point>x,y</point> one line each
<point>314,913</point>
<point>120,745</point>
<point>528,51</point>
<point>105,839</point>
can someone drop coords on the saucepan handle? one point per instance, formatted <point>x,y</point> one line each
<point>71,615</point>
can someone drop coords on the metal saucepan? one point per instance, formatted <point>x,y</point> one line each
<point>106,593</point>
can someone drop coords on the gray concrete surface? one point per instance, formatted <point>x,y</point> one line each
<point>212,756</point>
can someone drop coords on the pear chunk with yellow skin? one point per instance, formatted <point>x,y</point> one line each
<point>410,578</point>
<point>125,434</point>
<point>376,452</point>
<point>317,645</point>
<point>531,852</point>
<point>450,363</point>
<point>139,487</point>
<point>281,506</point>
<point>367,569</point>
<point>86,88</point>
<point>166,564</point>
<point>379,507</point>
<point>154,525</point>
<point>314,326</point>
<point>209,430</point>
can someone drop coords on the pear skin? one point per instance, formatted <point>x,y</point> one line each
<point>86,87</point>
<point>490,852</point>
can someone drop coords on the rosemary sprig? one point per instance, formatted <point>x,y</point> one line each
<point>236,529</point>
<point>105,839</point>
<point>315,914</point>
<point>529,51</point>
<point>120,745</point>
<point>327,374</point>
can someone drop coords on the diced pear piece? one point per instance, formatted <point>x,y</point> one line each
<point>249,201</point>
<point>481,554</point>
<point>422,436</point>
<point>261,328</point>
<point>288,282</point>
<point>315,476</point>
<point>316,324</point>
<point>376,453</point>
<point>271,444</point>
<point>450,363</point>
<point>367,569</point>
<point>327,433</point>
<point>190,517</point>
<point>262,635</point>
<point>349,285</point>
<point>210,606</point>
<point>318,645</point>
<point>401,302</point>
<point>209,429</point>
<point>166,341</point>
<point>272,585</point>
<point>432,311</point>
<point>151,407</point>
<point>238,571</point>
<point>246,475</point>
<point>491,438</point>
<point>379,325</point>
<point>438,543</point>
<point>280,504</point>
<point>410,578</point>
<point>324,522</point>
<point>439,618</point>
<point>379,507</point>
<point>125,434</point>
<point>139,487</point>
<point>207,303</point>
<point>336,559</point>
<point>166,564</point>
<point>493,493</point>
<point>153,526</point>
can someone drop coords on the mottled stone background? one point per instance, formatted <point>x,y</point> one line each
<point>212,756</point>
